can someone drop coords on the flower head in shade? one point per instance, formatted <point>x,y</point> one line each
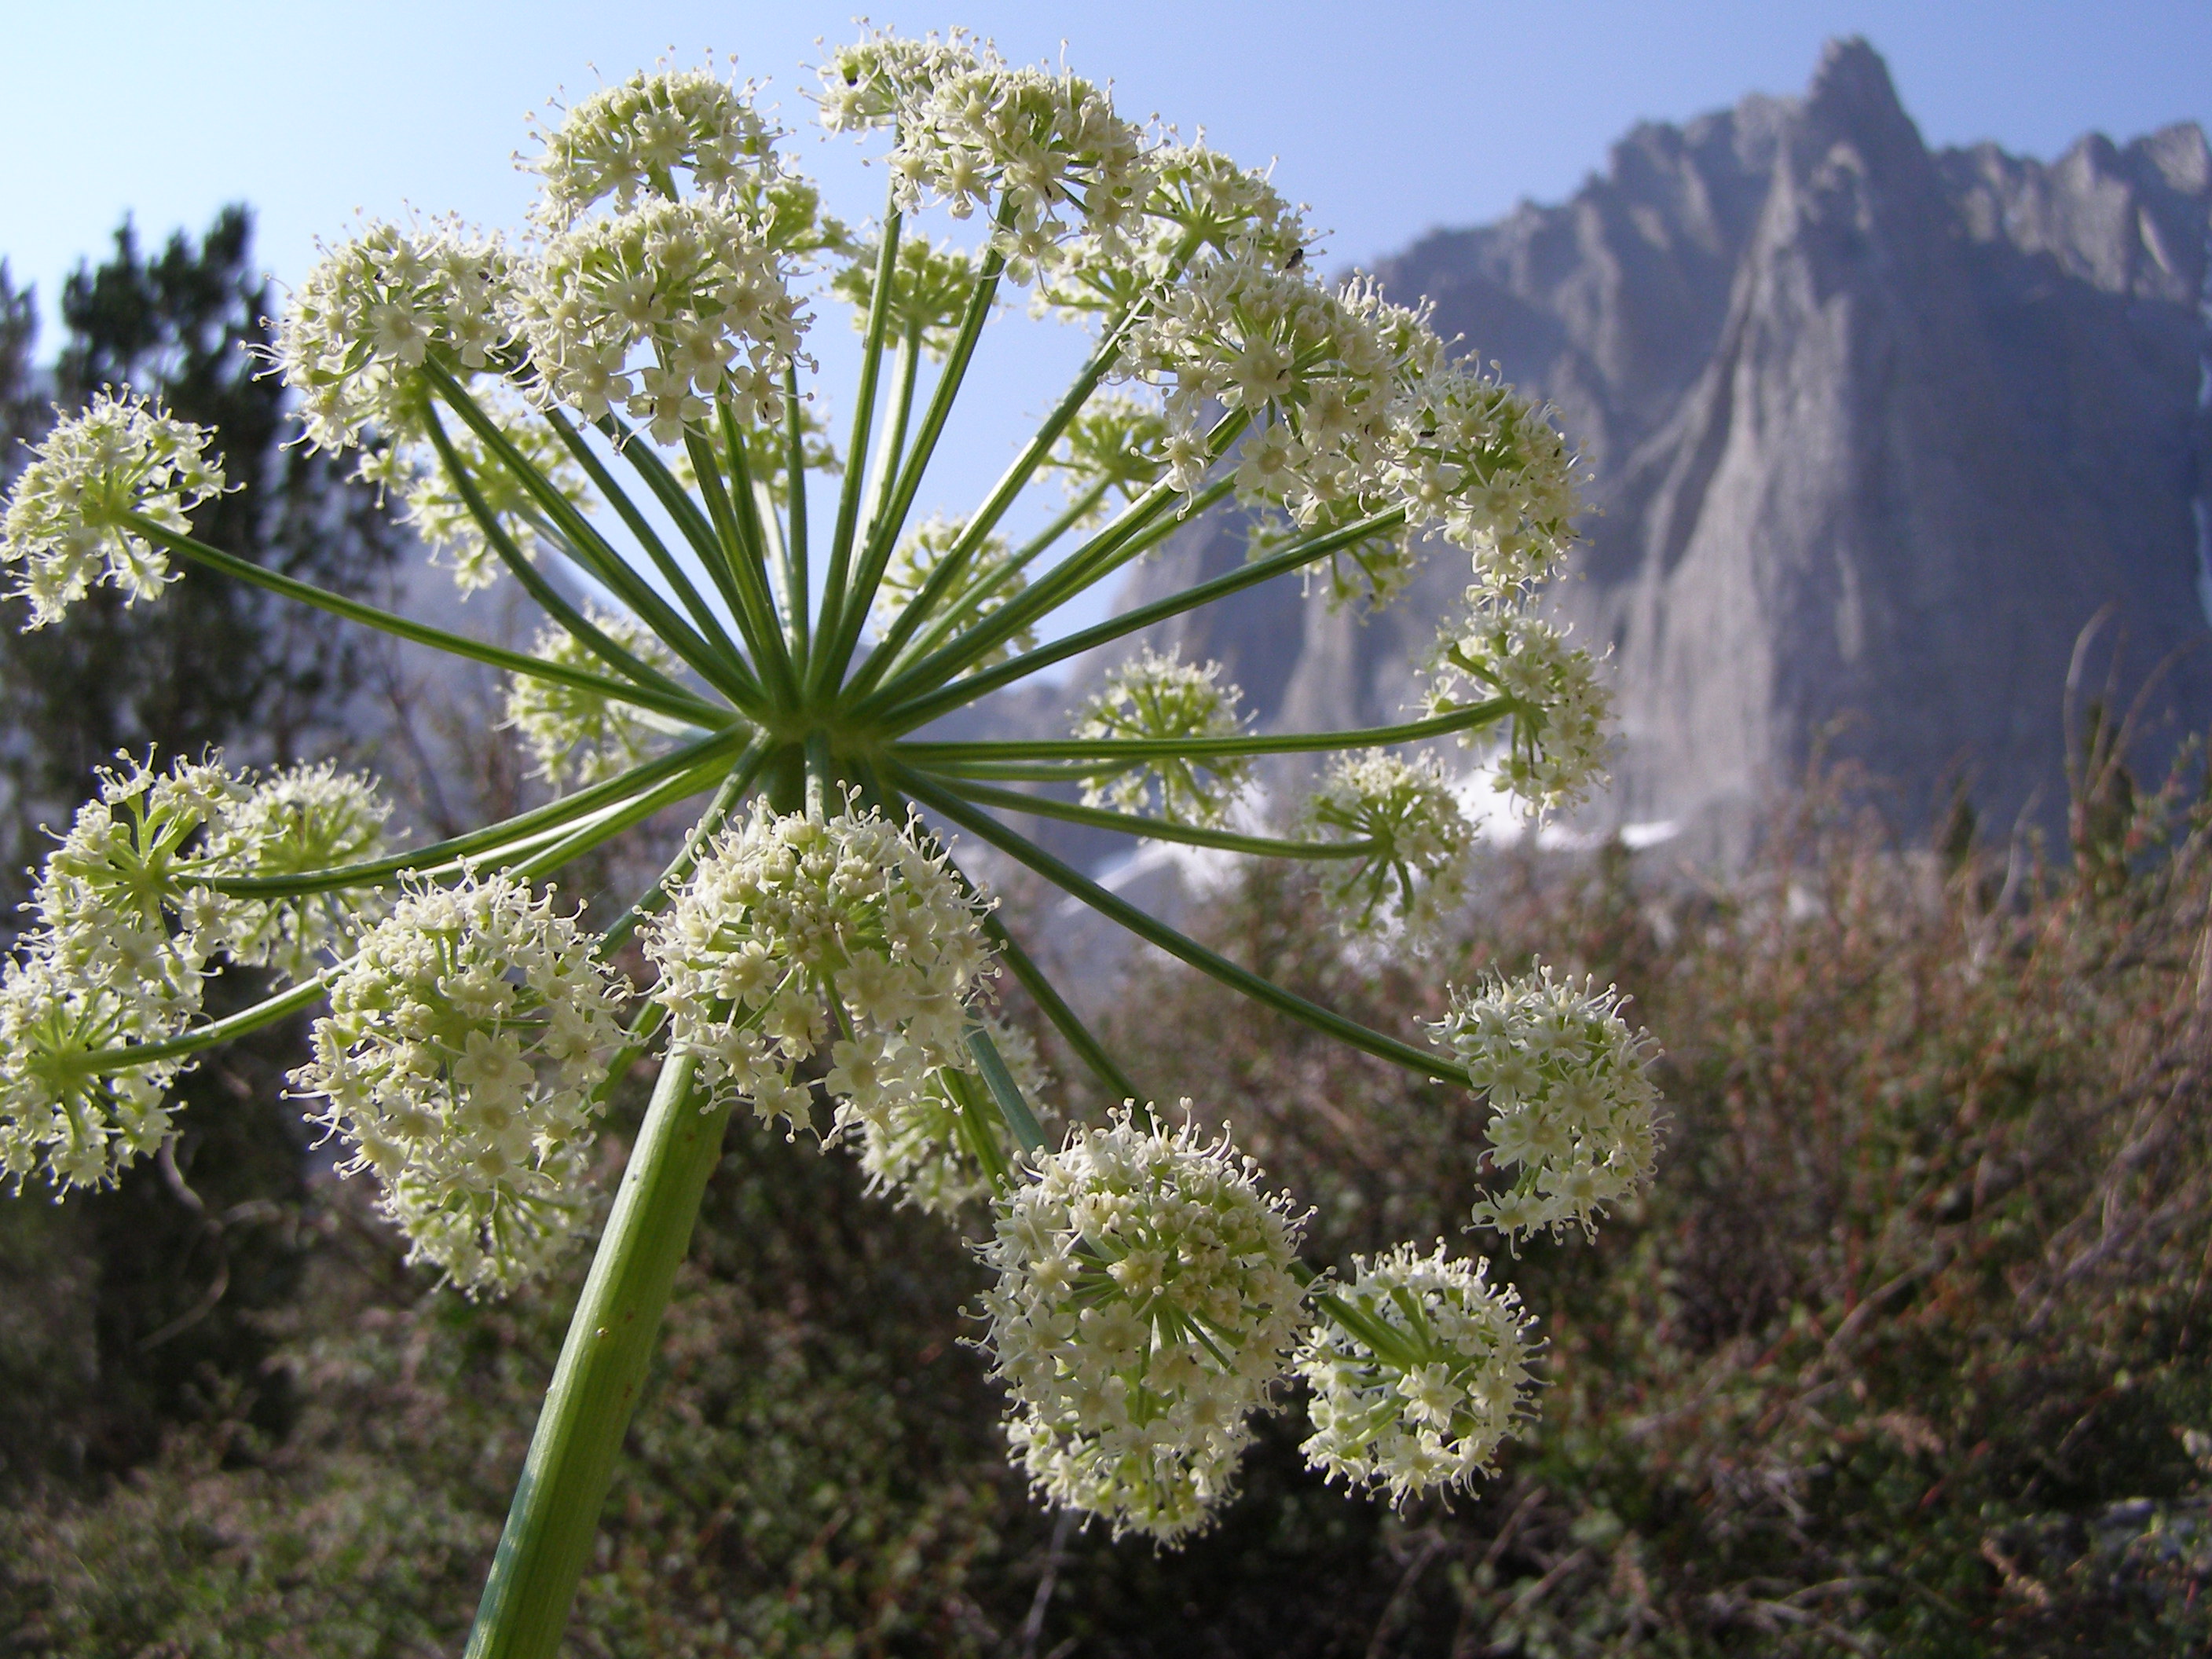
<point>1416,873</point>
<point>63,528</point>
<point>467,1037</point>
<point>1151,697</point>
<point>298,819</point>
<point>987,580</point>
<point>1418,1369</point>
<point>1573,1109</point>
<point>578,736</point>
<point>1145,1306</point>
<point>801,941</point>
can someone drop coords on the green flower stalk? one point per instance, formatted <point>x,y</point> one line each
<point>618,400</point>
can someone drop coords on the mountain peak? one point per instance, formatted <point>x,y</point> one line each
<point>1852,86</point>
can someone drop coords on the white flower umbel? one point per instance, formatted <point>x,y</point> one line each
<point>1145,1308</point>
<point>631,139</point>
<point>987,579</point>
<point>299,819</point>
<point>1555,749</point>
<point>64,527</point>
<point>1416,876</point>
<point>1573,1108</point>
<point>432,507</point>
<point>353,342</point>
<point>841,941</point>
<point>466,1038</point>
<point>1164,698</point>
<point>930,284</point>
<point>921,1147</point>
<point>1117,443</point>
<point>125,925</point>
<point>973,130</point>
<point>1418,1376</point>
<point>578,736</point>
<point>661,309</point>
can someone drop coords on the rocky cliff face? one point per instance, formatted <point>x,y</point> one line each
<point>1874,433</point>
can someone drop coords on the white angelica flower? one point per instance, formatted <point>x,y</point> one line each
<point>64,525</point>
<point>1573,1109</point>
<point>920,1146</point>
<point>988,579</point>
<point>579,737</point>
<point>632,139</point>
<point>841,939</point>
<point>1418,1376</point>
<point>431,504</point>
<point>1145,1306</point>
<point>1156,697</point>
<point>661,309</point>
<point>296,820</point>
<point>353,342</point>
<point>467,1037</point>
<point>1116,440</point>
<point>1416,876</point>
<point>1555,749</point>
<point>1487,471</point>
<point>930,284</point>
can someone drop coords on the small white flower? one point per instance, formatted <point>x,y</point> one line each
<point>1575,1111</point>
<point>64,524</point>
<point>1555,749</point>
<point>917,1145</point>
<point>467,1037</point>
<point>1427,1371</point>
<point>1155,696</point>
<point>1145,1308</point>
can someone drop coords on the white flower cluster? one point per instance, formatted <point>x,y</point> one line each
<point>467,1037</point>
<point>1116,440</point>
<point>696,287</point>
<point>65,519</point>
<point>1572,1105</point>
<point>1151,696</point>
<point>1416,876</point>
<point>1555,750</point>
<point>375,310</point>
<point>579,737</point>
<point>971,128</point>
<point>634,136</point>
<point>988,579</point>
<point>1146,1305</point>
<point>798,937</point>
<point>920,1146</point>
<point>1419,1377</point>
<point>126,924</point>
<point>1200,202</point>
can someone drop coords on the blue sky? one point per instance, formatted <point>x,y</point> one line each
<point>1388,120</point>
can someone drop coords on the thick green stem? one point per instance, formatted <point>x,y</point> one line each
<point>556,1513</point>
<point>819,666</point>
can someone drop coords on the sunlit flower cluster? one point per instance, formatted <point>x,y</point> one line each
<point>1416,875</point>
<point>126,922</point>
<point>1162,699</point>
<point>355,337</point>
<point>988,579</point>
<point>803,940</point>
<point>578,736</point>
<point>921,1146</point>
<point>64,526</point>
<point>1573,1108</point>
<point>1555,747</point>
<point>1145,1308</point>
<point>460,1060</point>
<point>972,129</point>
<point>1418,1371</point>
<point>632,139</point>
<point>662,309</point>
